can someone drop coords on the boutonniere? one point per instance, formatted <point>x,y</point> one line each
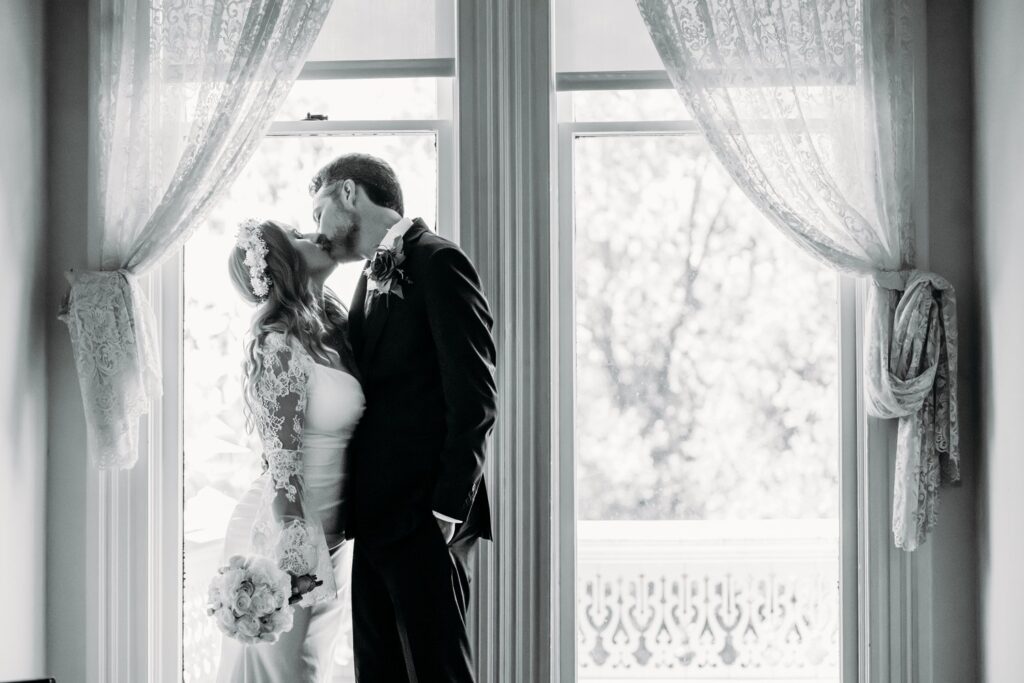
<point>385,273</point>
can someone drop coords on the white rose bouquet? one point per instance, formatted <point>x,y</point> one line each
<point>251,598</point>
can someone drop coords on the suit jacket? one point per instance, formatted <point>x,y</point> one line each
<point>427,363</point>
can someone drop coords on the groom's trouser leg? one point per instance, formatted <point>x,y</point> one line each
<point>429,588</point>
<point>376,646</point>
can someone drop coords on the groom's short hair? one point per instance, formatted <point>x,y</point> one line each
<point>373,174</point>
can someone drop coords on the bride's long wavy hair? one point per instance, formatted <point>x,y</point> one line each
<point>291,307</point>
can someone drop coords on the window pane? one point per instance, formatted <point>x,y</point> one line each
<point>628,105</point>
<point>397,29</point>
<point>707,447</point>
<point>220,458</point>
<point>602,35</point>
<point>362,99</point>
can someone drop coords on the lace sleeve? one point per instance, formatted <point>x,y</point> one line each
<point>286,529</point>
<point>281,391</point>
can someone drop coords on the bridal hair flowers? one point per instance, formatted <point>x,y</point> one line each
<point>251,242</point>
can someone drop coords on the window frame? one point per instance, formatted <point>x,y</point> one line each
<point>876,625</point>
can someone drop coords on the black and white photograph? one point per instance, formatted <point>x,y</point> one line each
<point>511,341</point>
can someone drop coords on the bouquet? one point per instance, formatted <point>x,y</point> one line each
<point>251,598</point>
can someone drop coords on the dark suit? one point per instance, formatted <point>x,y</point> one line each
<point>427,365</point>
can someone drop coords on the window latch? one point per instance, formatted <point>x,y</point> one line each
<point>315,117</point>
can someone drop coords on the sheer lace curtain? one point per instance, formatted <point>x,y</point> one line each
<point>185,89</point>
<point>809,106</point>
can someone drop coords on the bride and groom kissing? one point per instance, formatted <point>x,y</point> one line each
<point>373,421</point>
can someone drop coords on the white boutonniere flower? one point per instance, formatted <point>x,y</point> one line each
<point>385,274</point>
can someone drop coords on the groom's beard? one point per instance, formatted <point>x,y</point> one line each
<point>345,247</point>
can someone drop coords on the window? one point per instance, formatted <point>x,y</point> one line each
<point>218,452</point>
<point>706,414</point>
<point>708,400</point>
<point>394,101</point>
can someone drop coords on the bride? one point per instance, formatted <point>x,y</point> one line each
<point>304,400</point>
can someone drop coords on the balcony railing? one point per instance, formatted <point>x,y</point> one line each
<point>735,601</point>
<point>693,601</point>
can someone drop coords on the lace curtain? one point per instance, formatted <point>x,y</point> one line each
<point>809,106</point>
<point>185,90</point>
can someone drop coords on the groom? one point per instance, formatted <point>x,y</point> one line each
<point>420,330</point>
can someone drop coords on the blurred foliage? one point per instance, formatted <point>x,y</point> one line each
<point>706,344</point>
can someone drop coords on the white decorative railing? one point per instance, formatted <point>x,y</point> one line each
<point>693,601</point>
<point>738,601</point>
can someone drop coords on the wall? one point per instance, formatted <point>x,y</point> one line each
<point>22,362</point>
<point>999,91</point>
<point>67,135</point>
<point>951,590</point>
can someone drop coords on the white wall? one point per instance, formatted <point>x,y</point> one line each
<point>22,361</point>
<point>999,77</point>
<point>951,591</point>
<point>67,131</point>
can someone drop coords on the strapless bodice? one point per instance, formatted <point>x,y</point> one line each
<point>334,405</point>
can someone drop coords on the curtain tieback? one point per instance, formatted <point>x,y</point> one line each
<point>904,280</point>
<point>112,336</point>
<point>893,280</point>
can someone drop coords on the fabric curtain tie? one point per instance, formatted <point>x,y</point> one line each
<point>913,378</point>
<point>923,316</point>
<point>893,280</point>
<point>902,280</point>
<point>112,335</point>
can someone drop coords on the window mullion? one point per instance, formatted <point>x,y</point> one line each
<point>504,138</point>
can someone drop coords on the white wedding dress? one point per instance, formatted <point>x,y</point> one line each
<point>305,414</point>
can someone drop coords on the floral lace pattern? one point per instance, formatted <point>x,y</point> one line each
<point>116,360</point>
<point>809,106</point>
<point>914,380</point>
<point>284,467</point>
<point>185,92</point>
<point>285,528</point>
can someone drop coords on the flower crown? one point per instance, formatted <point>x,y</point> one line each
<point>251,241</point>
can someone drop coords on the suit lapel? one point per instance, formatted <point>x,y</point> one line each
<point>382,304</point>
<point>357,317</point>
<point>375,322</point>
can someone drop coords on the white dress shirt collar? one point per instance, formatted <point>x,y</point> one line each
<point>394,232</point>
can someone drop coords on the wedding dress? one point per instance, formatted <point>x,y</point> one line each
<point>305,414</point>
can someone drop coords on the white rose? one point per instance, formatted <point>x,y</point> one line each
<point>241,602</point>
<point>230,582</point>
<point>283,619</point>
<point>248,627</point>
<point>263,570</point>
<point>226,620</point>
<point>263,601</point>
